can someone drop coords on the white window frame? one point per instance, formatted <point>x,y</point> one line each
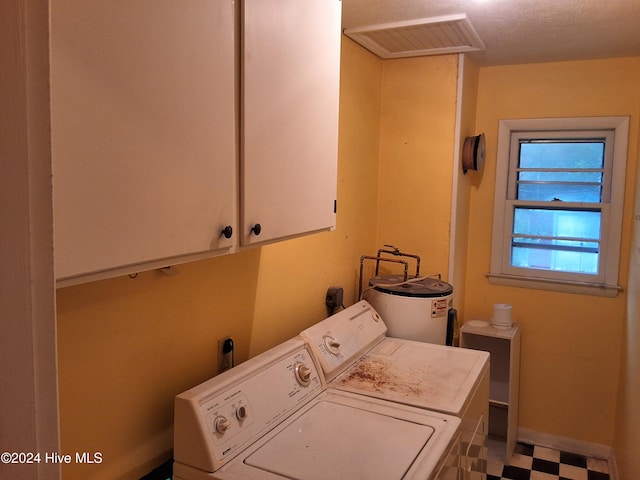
<point>502,272</point>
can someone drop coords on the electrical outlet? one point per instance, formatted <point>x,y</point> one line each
<point>333,299</point>
<point>225,354</point>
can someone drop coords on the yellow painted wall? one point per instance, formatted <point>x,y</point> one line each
<point>128,346</point>
<point>417,123</point>
<point>570,343</point>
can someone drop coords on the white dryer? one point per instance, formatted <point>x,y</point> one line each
<point>272,418</point>
<point>357,357</point>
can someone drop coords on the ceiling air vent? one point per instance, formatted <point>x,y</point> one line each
<point>424,36</point>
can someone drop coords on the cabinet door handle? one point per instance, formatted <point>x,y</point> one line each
<point>227,231</point>
<point>256,229</point>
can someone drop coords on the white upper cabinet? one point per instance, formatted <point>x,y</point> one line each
<point>290,62</point>
<point>174,120</point>
<point>144,131</point>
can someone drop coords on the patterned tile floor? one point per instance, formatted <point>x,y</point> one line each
<point>531,462</point>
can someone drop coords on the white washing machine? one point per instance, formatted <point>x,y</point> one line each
<point>272,418</point>
<point>357,357</point>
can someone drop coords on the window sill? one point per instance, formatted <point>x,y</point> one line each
<point>581,288</point>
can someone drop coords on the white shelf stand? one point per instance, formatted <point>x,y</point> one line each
<point>504,379</point>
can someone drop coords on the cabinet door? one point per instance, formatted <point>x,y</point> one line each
<point>289,144</point>
<point>144,132</point>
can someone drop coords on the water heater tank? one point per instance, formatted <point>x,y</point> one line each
<point>419,310</point>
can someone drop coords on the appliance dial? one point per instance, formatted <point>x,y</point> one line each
<point>221,424</point>
<point>332,345</point>
<point>241,412</point>
<point>303,374</point>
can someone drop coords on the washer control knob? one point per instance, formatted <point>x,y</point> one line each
<point>332,345</point>
<point>241,412</point>
<point>221,424</point>
<point>303,374</point>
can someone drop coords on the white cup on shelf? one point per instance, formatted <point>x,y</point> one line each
<point>502,316</point>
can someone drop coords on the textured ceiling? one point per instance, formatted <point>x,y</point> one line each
<point>522,31</point>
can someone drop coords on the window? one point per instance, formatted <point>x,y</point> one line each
<point>558,204</point>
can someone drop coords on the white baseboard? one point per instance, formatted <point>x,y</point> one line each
<point>571,445</point>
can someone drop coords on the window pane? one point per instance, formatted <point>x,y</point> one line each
<point>560,176</point>
<point>560,170</point>
<point>567,193</point>
<point>559,240</point>
<point>557,260</point>
<point>550,223</point>
<point>561,154</point>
